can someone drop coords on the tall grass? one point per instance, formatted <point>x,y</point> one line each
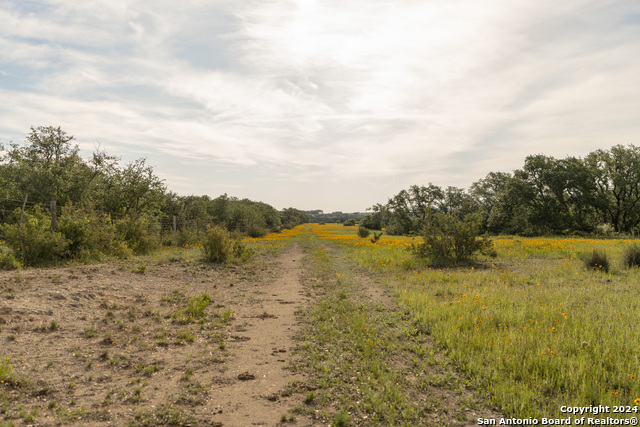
<point>534,326</point>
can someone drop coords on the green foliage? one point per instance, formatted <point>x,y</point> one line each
<point>292,217</point>
<point>376,237</point>
<point>194,310</point>
<point>7,259</point>
<point>363,232</point>
<point>631,256</point>
<point>142,234</point>
<point>5,369</point>
<point>41,245</point>
<point>89,232</point>
<point>350,222</point>
<point>189,236</point>
<point>597,260</point>
<point>449,240</point>
<point>217,245</point>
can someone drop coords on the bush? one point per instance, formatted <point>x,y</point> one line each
<point>350,222</point>
<point>8,260</point>
<point>41,245</point>
<point>631,256</point>
<point>189,236</point>
<point>363,232</point>
<point>217,245</point>
<point>142,234</point>
<point>597,260</point>
<point>89,232</point>
<point>449,240</point>
<point>376,237</point>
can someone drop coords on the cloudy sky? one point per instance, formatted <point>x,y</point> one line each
<point>327,104</point>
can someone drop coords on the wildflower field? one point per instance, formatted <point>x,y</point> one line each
<point>532,327</point>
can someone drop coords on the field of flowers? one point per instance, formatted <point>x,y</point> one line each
<point>533,327</point>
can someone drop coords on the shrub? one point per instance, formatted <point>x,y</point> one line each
<point>41,245</point>
<point>142,234</point>
<point>217,245</point>
<point>7,259</point>
<point>631,256</point>
<point>363,232</point>
<point>376,237</point>
<point>450,240</point>
<point>89,232</point>
<point>350,222</point>
<point>597,260</point>
<point>189,236</point>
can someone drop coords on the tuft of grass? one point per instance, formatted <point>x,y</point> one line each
<point>193,311</point>
<point>597,260</point>
<point>631,256</point>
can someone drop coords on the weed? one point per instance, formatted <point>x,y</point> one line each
<point>217,245</point>
<point>194,310</point>
<point>184,336</point>
<point>5,369</point>
<point>597,260</point>
<point>631,256</point>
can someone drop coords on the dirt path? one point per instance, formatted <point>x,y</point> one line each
<point>257,368</point>
<point>124,344</point>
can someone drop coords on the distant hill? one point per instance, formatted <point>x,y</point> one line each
<point>339,217</point>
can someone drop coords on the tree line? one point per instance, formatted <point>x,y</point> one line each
<point>54,201</point>
<point>599,193</point>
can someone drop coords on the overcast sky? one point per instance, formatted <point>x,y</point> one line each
<point>328,104</point>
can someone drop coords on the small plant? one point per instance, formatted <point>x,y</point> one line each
<point>53,325</point>
<point>8,261</point>
<point>597,260</point>
<point>363,232</point>
<point>90,331</point>
<point>141,269</point>
<point>184,336</point>
<point>309,398</point>
<point>631,256</point>
<point>195,310</point>
<point>341,419</point>
<point>5,369</point>
<point>217,245</point>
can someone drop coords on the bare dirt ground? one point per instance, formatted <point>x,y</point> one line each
<point>126,344</point>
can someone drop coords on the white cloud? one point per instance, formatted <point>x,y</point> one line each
<point>327,90</point>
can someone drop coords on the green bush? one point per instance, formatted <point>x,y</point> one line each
<point>8,262</point>
<point>597,260</point>
<point>90,233</point>
<point>142,234</point>
<point>189,236</point>
<point>631,256</point>
<point>7,259</point>
<point>450,240</point>
<point>350,222</point>
<point>363,232</point>
<point>41,245</point>
<point>217,245</point>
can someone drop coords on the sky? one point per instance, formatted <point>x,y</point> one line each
<point>332,105</point>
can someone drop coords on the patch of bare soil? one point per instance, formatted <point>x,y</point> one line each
<point>124,344</point>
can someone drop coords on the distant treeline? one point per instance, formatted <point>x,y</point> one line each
<point>596,194</point>
<point>56,204</point>
<point>318,216</point>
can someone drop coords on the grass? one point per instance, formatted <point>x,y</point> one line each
<point>534,327</point>
<point>353,346</point>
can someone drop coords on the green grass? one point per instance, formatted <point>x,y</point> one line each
<point>354,350</point>
<point>535,327</point>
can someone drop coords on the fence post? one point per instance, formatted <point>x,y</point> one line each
<point>54,216</point>
<point>26,196</point>
<point>174,230</point>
